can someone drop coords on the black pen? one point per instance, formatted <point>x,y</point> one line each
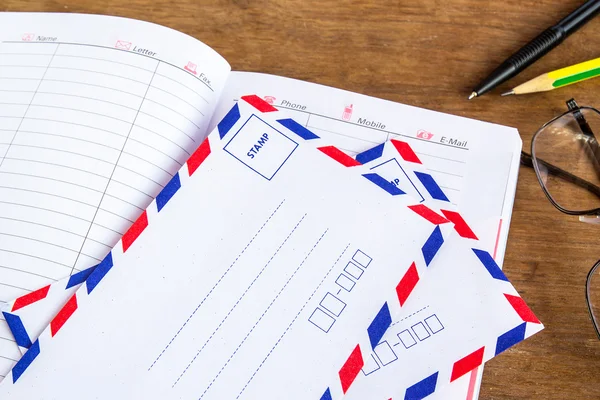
<point>538,47</point>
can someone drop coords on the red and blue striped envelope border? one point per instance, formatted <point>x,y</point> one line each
<point>479,355</point>
<point>354,363</point>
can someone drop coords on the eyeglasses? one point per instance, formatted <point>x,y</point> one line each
<point>566,157</point>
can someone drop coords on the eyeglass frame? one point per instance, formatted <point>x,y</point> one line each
<point>531,161</point>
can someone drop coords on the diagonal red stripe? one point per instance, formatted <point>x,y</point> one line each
<point>63,315</point>
<point>405,151</point>
<point>467,364</point>
<point>339,156</point>
<point>134,231</point>
<point>407,284</point>
<point>198,157</point>
<point>30,298</point>
<point>460,226</point>
<point>258,103</point>
<point>428,214</point>
<point>351,368</point>
<point>522,309</point>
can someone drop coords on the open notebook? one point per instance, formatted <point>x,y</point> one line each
<point>97,113</point>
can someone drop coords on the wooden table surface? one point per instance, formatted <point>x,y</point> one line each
<point>430,53</point>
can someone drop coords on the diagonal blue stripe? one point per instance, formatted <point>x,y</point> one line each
<point>297,129</point>
<point>168,191</point>
<point>431,185</point>
<point>511,338</point>
<point>228,121</point>
<point>25,361</point>
<point>432,245</point>
<point>488,262</point>
<point>382,183</point>
<point>99,273</point>
<point>326,395</point>
<point>422,389</point>
<point>371,154</point>
<point>79,277</point>
<point>18,330</point>
<point>380,323</point>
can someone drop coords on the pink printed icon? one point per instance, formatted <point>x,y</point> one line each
<point>123,45</point>
<point>423,134</point>
<point>347,113</point>
<point>269,99</point>
<point>28,37</point>
<point>191,67</point>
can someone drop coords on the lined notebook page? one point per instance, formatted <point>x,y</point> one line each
<point>92,126</point>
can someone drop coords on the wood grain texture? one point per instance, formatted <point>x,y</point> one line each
<point>430,53</point>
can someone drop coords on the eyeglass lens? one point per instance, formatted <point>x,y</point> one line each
<point>566,156</point>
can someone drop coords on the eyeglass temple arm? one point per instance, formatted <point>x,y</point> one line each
<point>588,297</point>
<point>527,160</point>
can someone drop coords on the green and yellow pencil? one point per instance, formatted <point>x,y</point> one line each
<point>559,78</point>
